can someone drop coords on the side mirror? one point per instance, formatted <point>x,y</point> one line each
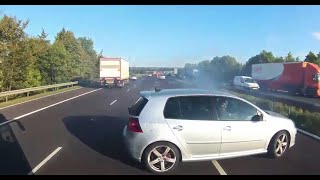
<point>129,108</point>
<point>256,118</point>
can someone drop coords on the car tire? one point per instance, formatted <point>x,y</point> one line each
<point>170,161</point>
<point>279,144</point>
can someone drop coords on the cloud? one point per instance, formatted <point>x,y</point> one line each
<point>316,35</point>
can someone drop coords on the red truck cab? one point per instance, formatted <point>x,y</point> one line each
<point>312,79</point>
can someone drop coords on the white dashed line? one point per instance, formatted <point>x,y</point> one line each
<point>113,102</point>
<point>128,90</point>
<point>34,170</point>
<point>219,168</point>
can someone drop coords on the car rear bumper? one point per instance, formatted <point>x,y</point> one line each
<point>134,143</point>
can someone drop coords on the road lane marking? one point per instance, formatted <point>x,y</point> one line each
<point>113,102</point>
<point>309,134</point>
<point>34,170</point>
<point>19,117</point>
<point>219,168</point>
<point>128,90</point>
<point>39,98</point>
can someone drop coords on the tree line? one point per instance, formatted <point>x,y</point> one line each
<point>226,67</point>
<point>27,61</point>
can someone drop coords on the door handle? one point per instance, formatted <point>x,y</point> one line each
<point>178,128</point>
<point>227,128</point>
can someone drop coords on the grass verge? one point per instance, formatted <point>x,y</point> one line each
<point>48,93</point>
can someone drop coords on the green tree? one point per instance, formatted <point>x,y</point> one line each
<point>73,47</point>
<point>225,67</point>
<point>219,68</point>
<point>263,57</point>
<point>289,58</point>
<point>90,58</point>
<point>54,64</point>
<point>43,35</point>
<point>204,65</point>
<point>13,43</point>
<point>32,61</point>
<point>1,78</point>
<point>279,59</point>
<point>312,58</point>
<point>190,66</point>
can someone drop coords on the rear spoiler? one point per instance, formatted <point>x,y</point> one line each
<point>146,94</point>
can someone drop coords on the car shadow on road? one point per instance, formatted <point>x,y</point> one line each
<point>103,134</point>
<point>12,158</point>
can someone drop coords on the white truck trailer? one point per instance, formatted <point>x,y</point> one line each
<point>114,72</point>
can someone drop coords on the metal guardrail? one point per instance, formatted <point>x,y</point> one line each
<point>28,90</point>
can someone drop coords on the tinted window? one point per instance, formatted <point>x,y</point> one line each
<point>196,108</point>
<point>172,109</point>
<point>234,109</point>
<point>136,109</point>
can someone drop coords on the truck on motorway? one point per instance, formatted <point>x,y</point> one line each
<point>114,72</point>
<point>175,71</point>
<point>293,77</point>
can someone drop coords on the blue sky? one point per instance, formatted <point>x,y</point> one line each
<point>174,35</point>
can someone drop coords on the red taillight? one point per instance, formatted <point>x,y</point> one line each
<point>134,126</point>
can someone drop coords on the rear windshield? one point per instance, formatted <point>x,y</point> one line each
<point>137,107</point>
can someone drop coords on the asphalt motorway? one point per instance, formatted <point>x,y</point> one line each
<point>80,131</point>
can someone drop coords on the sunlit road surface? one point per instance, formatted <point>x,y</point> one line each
<point>79,132</point>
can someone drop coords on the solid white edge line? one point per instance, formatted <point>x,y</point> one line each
<point>39,98</point>
<point>19,117</point>
<point>218,167</point>
<point>34,170</point>
<point>309,134</point>
<point>113,102</point>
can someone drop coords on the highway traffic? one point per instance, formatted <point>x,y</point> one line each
<point>80,132</point>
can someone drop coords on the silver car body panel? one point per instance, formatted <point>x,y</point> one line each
<point>204,140</point>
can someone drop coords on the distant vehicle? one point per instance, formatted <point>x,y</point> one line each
<point>245,83</point>
<point>114,71</point>
<point>162,77</point>
<point>134,78</point>
<point>150,75</point>
<point>166,127</point>
<point>175,71</point>
<point>293,77</point>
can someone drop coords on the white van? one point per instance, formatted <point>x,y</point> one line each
<point>245,83</point>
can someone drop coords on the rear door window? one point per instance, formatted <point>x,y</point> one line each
<point>138,106</point>
<point>190,108</point>
<point>172,109</point>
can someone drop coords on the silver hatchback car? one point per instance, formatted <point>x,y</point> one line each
<point>167,127</point>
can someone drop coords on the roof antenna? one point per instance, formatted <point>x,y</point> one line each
<point>157,89</point>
